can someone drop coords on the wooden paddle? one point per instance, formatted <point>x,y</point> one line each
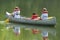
<point>7,20</point>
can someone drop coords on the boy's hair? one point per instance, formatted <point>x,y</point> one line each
<point>34,13</point>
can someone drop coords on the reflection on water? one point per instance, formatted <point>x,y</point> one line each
<point>49,29</point>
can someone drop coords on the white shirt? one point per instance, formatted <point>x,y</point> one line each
<point>15,14</point>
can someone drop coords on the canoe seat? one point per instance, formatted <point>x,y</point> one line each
<point>50,17</point>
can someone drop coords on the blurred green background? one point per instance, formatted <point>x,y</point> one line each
<point>29,6</point>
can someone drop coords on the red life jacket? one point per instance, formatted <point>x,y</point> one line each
<point>34,16</point>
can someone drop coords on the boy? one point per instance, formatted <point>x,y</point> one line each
<point>44,15</point>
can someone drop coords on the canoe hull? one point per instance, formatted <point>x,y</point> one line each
<point>51,21</point>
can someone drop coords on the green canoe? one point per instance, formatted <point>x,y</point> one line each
<point>49,21</point>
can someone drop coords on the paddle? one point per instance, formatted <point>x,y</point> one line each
<point>7,20</point>
<point>7,13</point>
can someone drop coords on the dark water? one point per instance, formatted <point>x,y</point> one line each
<point>50,29</point>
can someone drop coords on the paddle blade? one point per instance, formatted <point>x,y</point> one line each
<point>7,20</point>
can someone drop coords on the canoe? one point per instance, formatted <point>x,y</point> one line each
<point>49,21</point>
